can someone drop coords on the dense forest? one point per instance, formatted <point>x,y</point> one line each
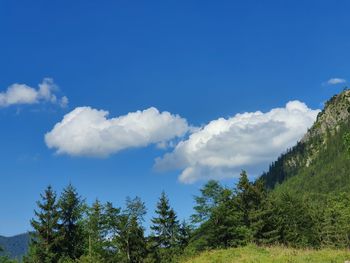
<point>302,201</point>
<point>66,229</point>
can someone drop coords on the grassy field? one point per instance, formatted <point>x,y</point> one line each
<point>256,254</point>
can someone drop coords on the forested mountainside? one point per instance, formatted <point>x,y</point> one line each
<point>319,163</point>
<point>15,246</point>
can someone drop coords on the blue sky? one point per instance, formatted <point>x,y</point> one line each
<point>193,61</point>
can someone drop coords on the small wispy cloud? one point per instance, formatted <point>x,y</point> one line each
<point>335,81</point>
<point>20,94</point>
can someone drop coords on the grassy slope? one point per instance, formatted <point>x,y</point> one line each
<point>270,254</point>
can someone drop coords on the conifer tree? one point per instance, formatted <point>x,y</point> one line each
<point>165,236</point>
<point>71,209</point>
<point>264,223</point>
<point>295,223</point>
<point>244,197</point>
<point>165,225</point>
<point>44,245</point>
<point>335,227</point>
<point>96,230</point>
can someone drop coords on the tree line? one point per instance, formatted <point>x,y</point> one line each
<point>66,229</point>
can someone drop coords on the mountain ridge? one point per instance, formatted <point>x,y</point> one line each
<point>319,161</point>
<point>15,246</point>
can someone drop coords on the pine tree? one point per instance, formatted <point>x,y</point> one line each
<point>295,223</point>
<point>264,224</point>
<point>165,236</point>
<point>96,230</point>
<point>71,209</point>
<point>44,246</point>
<point>244,197</point>
<point>166,225</point>
<point>335,227</point>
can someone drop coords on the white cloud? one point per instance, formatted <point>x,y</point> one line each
<point>249,141</point>
<point>17,94</point>
<point>88,132</point>
<point>335,81</point>
<point>64,102</point>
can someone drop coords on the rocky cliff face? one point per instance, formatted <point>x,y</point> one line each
<point>335,112</point>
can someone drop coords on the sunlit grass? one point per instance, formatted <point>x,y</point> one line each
<point>256,254</point>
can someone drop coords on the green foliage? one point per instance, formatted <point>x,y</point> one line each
<point>295,224</point>
<point>318,164</point>
<point>165,226</point>
<point>229,218</point>
<point>96,230</point>
<point>346,139</point>
<point>335,222</point>
<point>130,239</point>
<point>45,240</point>
<point>6,259</point>
<point>168,237</point>
<point>71,208</point>
<point>207,201</point>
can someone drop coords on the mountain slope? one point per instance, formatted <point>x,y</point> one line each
<point>319,163</point>
<point>15,246</point>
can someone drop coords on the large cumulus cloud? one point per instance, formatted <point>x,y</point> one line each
<point>249,141</point>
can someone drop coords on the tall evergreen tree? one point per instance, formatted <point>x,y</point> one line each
<point>295,223</point>
<point>71,209</point>
<point>165,225</point>
<point>264,223</point>
<point>245,197</point>
<point>165,236</point>
<point>44,245</point>
<point>96,229</point>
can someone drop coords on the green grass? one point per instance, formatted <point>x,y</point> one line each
<point>256,254</point>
